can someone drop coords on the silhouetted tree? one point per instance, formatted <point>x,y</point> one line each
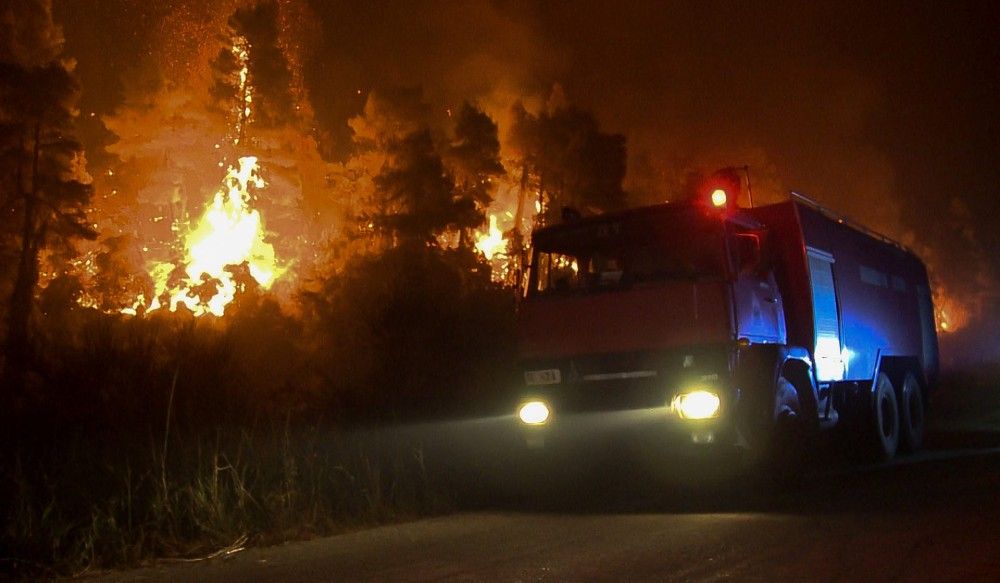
<point>45,188</point>
<point>268,70</point>
<point>416,195</point>
<point>571,161</point>
<point>423,184</point>
<point>474,158</point>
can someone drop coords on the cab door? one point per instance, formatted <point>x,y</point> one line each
<point>757,306</point>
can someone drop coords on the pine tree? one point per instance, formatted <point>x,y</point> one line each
<point>570,159</point>
<point>474,159</point>
<point>44,187</point>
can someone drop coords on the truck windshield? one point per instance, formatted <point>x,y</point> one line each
<point>629,252</point>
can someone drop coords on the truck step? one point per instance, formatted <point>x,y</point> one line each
<point>830,420</point>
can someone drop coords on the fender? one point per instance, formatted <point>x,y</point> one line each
<point>758,369</point>
<point>895,367</point>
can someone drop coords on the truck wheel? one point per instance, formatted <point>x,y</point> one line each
<point>912,419</point>
<point>884,419</point>
<point>788,443</point>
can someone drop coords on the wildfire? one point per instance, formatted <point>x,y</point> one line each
<point>493,241</point>
<point>229,233</point>
<point>229,236</point>
<point>950,316</point>
<point>190,210</point>
<point>242,110</point>
<point>510,223</point>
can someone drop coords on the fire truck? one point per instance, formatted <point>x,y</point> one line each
<point>708,324</point>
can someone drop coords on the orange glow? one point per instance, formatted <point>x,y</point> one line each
<point>949,315</point>
<point>185,218</point>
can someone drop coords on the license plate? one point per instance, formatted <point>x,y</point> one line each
<point>542,377</point>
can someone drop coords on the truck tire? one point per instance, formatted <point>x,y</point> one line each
<point>788,442</point>
<point>884,423</point>
<point>912,418</point>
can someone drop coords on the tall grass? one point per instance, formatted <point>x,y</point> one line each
<point>76,508</point>
<point>175,436</point>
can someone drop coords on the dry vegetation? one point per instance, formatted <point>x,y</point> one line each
<point>174,436</point>
<point>163,434</point>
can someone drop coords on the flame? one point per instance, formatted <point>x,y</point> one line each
<point>184,194</point>
<point>511,218</point>
<point>243,109</point>
<point>229,233</point>
<point>493,241</point>
<point>949,314</point>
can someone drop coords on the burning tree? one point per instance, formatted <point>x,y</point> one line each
<point>474,158</point>
<point>423,186</point>
<point>572,163</point>
<point>193,247</point>
<point>257,56</point>
<point>416,195</point>
<point>44,185</point>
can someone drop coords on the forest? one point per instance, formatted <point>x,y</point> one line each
<point>261,260</point>
<point>185,372</point>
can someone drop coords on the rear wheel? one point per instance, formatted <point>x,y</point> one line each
<point>912,418</point>
<point>884,425</point>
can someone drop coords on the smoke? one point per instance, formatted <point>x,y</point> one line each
<point>483,52</point>
<point>876,116</point>
<point>389,115</point>
<point>28,36</point>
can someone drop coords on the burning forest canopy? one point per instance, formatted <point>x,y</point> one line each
<point>235,146</point>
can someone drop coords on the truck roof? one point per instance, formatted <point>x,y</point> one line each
<point>844,220</point>
<point>743,217</point>
<point>668,208</point>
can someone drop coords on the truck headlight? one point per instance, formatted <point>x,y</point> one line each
<point>533,413</point>
<point>698,404</point>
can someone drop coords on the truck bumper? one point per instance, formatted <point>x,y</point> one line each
<point>641,430</point>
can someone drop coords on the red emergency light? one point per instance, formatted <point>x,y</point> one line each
<point>722,189</point>
<point>719,198</point>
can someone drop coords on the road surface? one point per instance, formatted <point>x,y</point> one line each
<point>932,517</point>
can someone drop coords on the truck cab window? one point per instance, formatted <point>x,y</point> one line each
<point>601,257</point>
<point>557,272</point>
<point>748,253</point>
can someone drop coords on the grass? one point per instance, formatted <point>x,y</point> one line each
<point>169,436</point>
<point>174,436</point>
<point>80,507</point>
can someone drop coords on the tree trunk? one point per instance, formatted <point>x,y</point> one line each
<point>19,349</point>
<point>519,214</point>
<point>541,201</point>
<point>516,264</point>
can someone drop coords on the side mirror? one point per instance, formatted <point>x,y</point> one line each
<point>748,255</point>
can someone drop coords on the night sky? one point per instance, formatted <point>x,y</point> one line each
<point>887,113</point>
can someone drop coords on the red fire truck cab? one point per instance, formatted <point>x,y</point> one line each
<point>726,326</point>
